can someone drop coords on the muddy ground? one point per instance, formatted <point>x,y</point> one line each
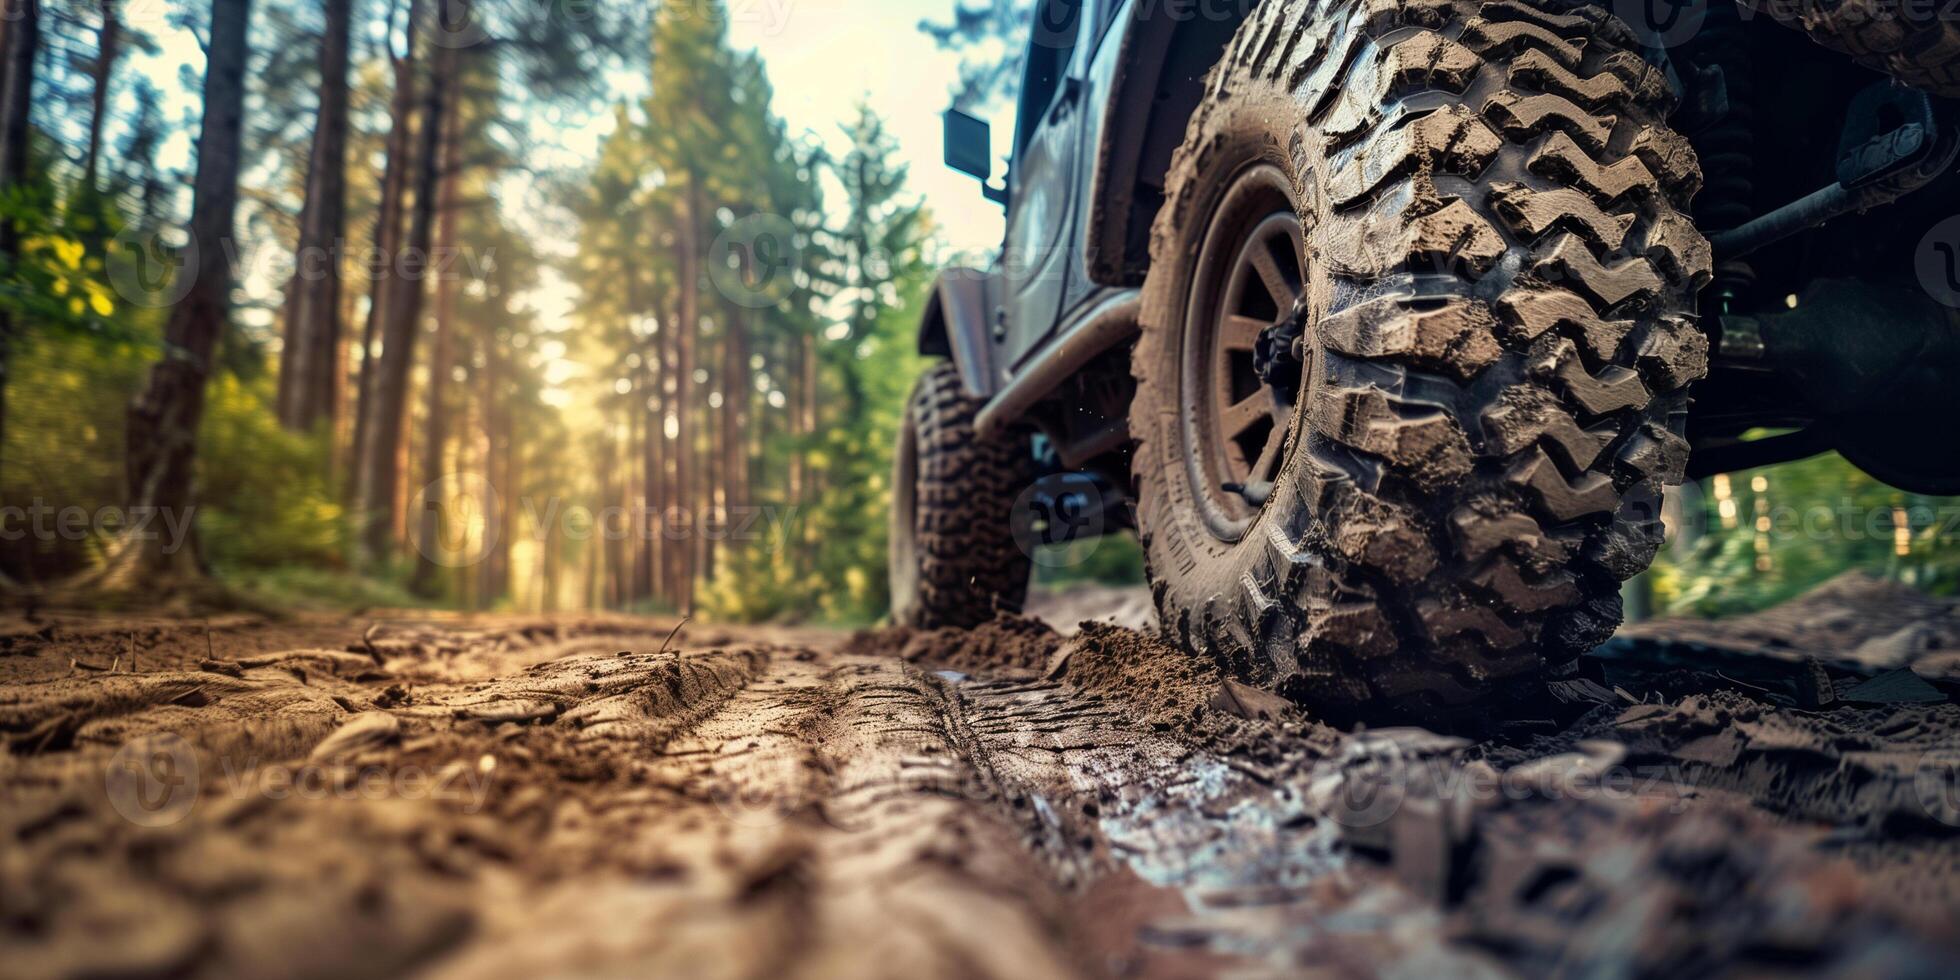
<point>604,796</point>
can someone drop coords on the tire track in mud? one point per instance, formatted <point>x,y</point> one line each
<point>999,802</point>
<point>825,825</point>
<point>289,847</point>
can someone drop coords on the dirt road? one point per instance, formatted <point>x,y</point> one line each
<point>523,798</point>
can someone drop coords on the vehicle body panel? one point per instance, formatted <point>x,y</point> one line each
<point>1076,152</point>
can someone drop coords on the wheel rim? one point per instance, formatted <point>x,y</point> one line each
<point>1250,275</point>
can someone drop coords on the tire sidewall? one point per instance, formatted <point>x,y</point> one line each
<point>1191,566</point>
<point>903,546</point>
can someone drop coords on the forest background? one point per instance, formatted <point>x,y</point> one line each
<point>543,306</point>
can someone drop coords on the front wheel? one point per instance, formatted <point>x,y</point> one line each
<point>1416,341</point>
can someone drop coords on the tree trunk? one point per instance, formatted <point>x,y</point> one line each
<point>672,551</point>
<point>634,428</point>
<point>343,384</point>
<point>736,387</point>
<point>387,233</point>
<point>599,548</point>
<point>108,46</point>
<point>688,329</point>
<point>647,407</point>
<point>306,380</point>
<point>806,413</point>
<point>799,426</point>
<point>708,496</point>
<point>23,43</point>
<point>435,421</point>
<point>635,492</point>
<point>486,570</point>
<point>640,432</point>
<point>23,40</point>
<point>507,506</point>
<point>388,396</point>
<point>163,421</point>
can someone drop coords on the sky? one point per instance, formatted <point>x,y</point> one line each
<point>825,55</point>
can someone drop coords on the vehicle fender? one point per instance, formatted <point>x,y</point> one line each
<point>956,325</point>
<point>1150,73</point>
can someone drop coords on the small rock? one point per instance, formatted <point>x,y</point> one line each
<point>1639,713</point>
<point>367,730</point>
<point>497,712</point>
<point>1900,686</point>
<point>1251,703</point>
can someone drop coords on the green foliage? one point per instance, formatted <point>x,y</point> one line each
<point>989,36</point>
<point>64,439</point>
<point>834,565</point>
<point>62,281</point>
<point>265,497</point>
<point>307,589</point>
<point>802,341</point>
<point>1115,559</point>
<point>1765,536</point>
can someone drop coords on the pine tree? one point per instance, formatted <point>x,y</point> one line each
<point>163,421</point>
<point>379,471</point>
<point>879,240</point>
<point>309,362</point>
<point>17,53</point>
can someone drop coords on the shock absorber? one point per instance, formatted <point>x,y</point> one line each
<point>1719,56</point>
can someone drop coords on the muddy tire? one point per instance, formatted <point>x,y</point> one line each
<point>1498,287</point>
<point>1918,44</point>
<point>954,560</point>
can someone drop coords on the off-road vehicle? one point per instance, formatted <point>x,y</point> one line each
<point>1379,319</point>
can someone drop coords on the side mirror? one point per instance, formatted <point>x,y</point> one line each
<point>970,150</point>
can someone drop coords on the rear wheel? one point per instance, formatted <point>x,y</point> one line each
<point>1415,344</point>
<point>954,560</point>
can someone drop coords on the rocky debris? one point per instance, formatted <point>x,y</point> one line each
<point>1166,688</point>
<point>1251,703</point>
<point>1638,888</point>
<point>1007,644</point>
